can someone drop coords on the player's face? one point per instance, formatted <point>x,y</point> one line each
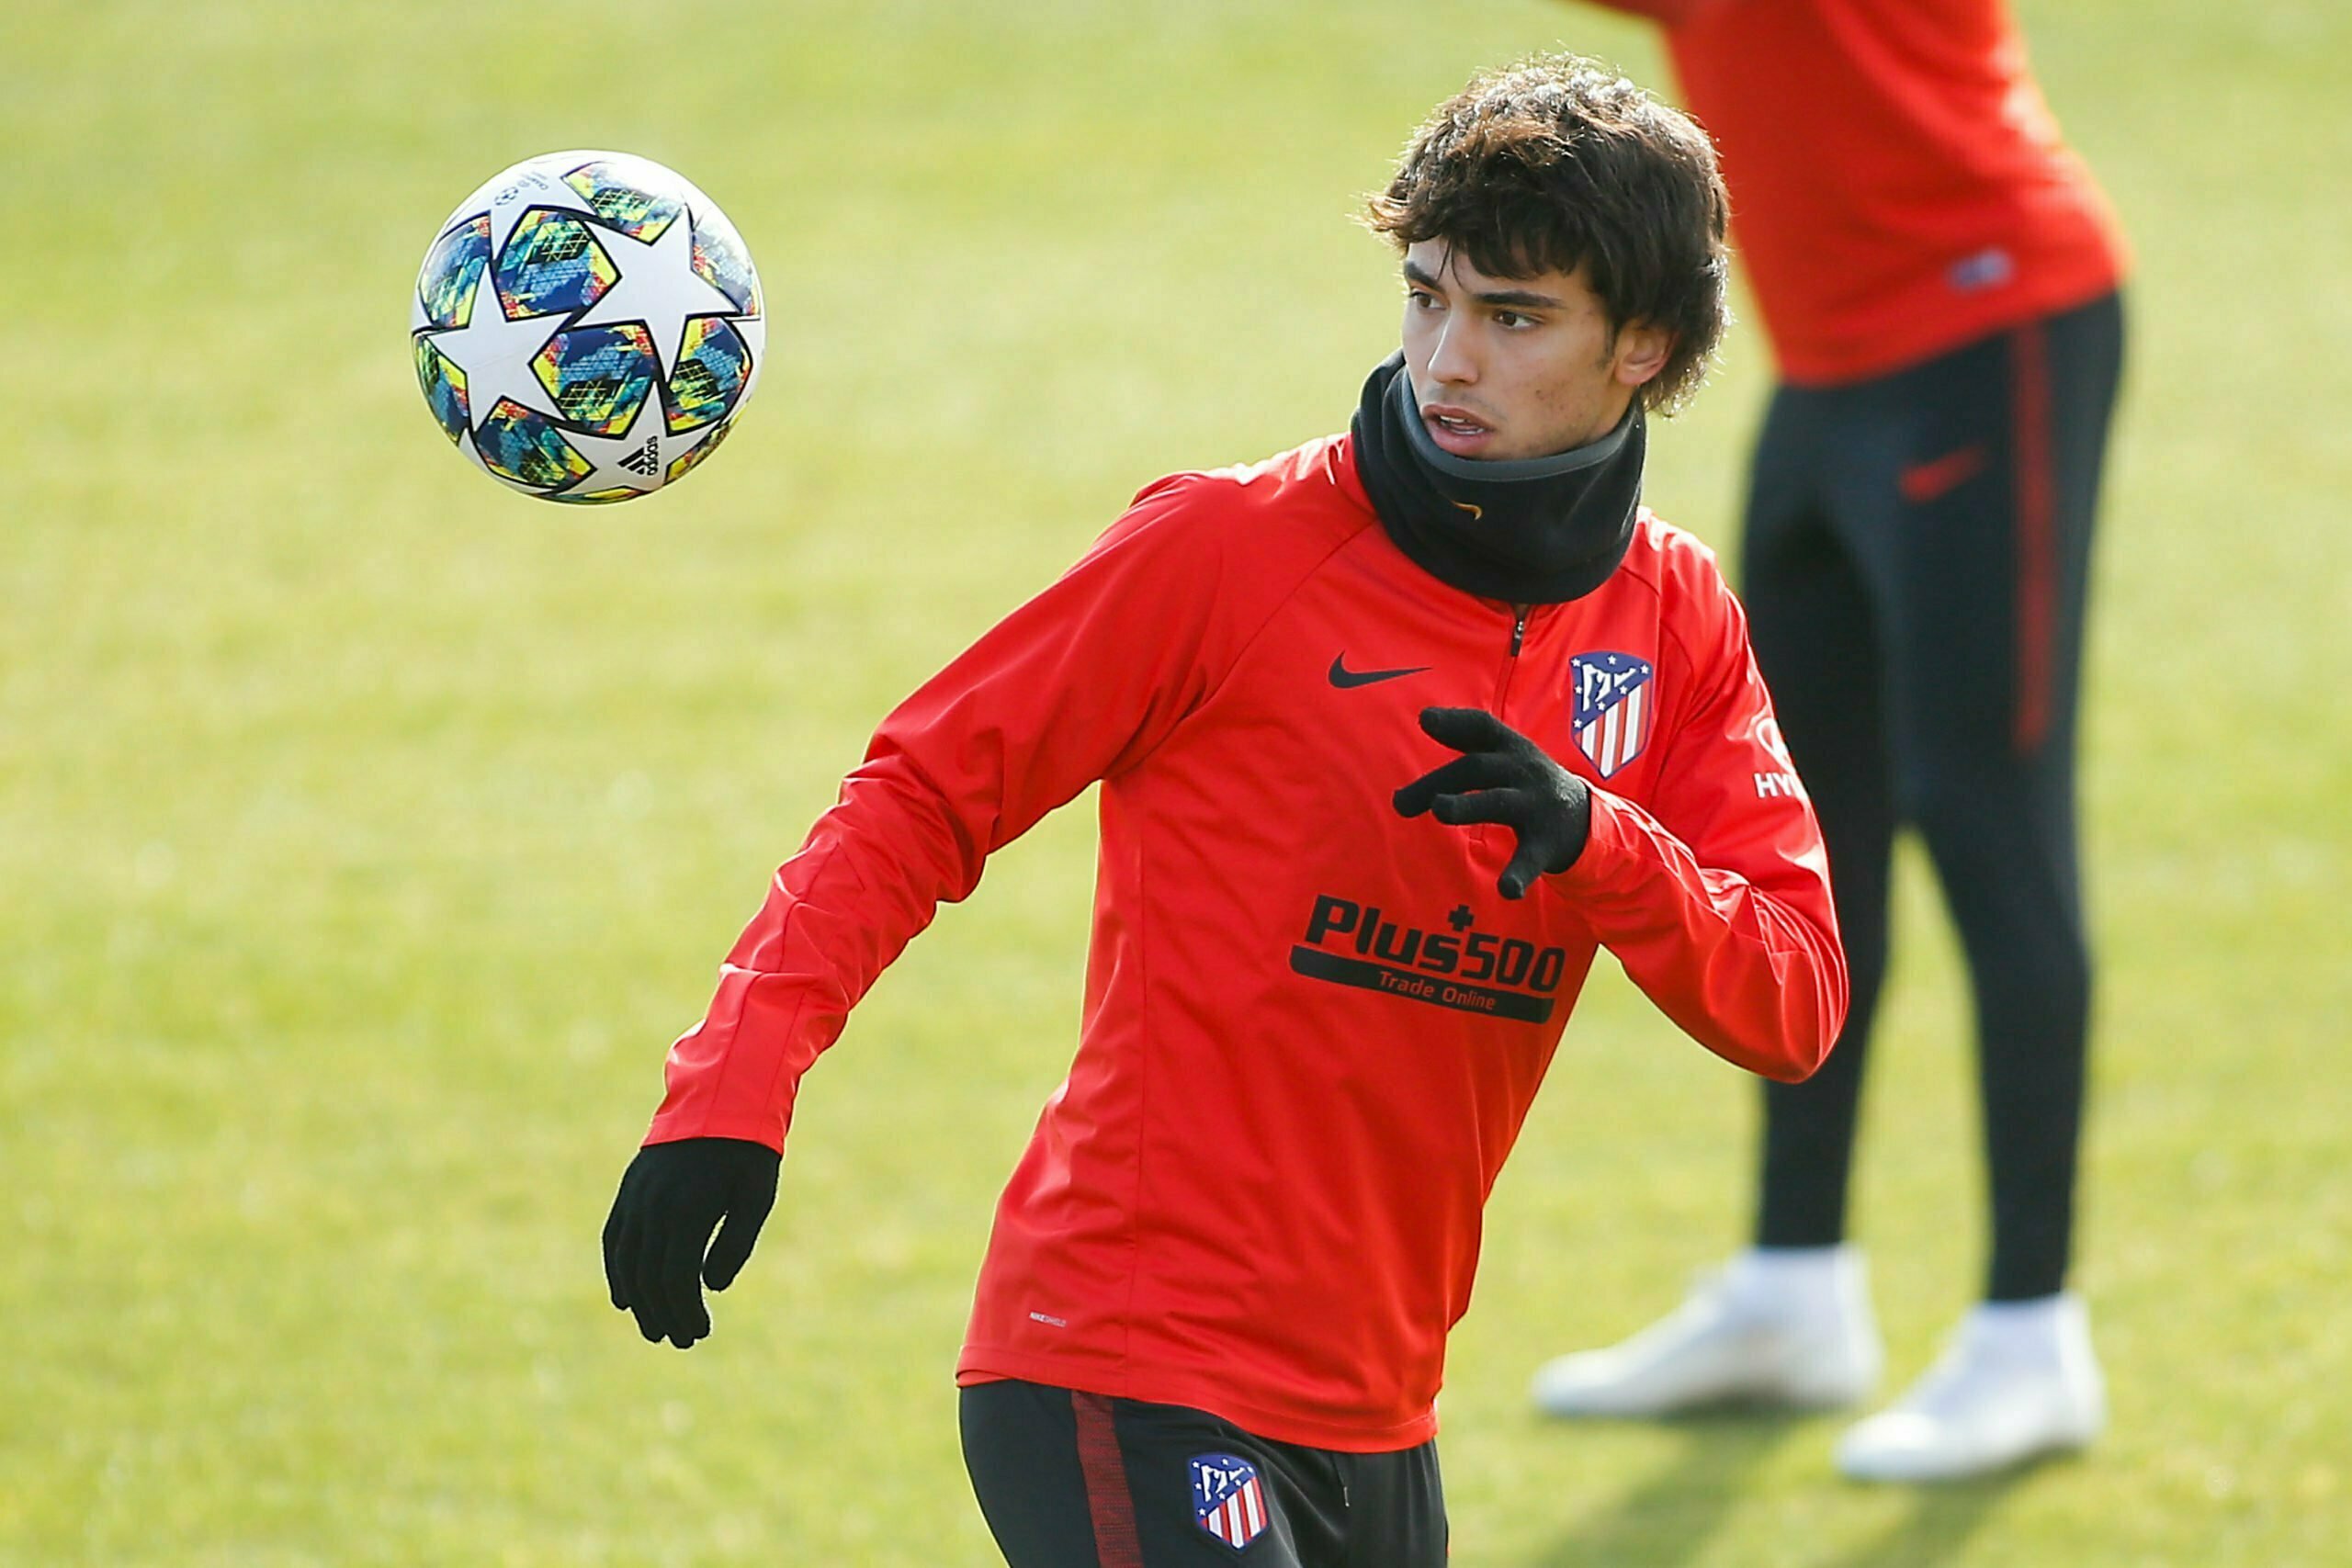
<point>1510,368</point>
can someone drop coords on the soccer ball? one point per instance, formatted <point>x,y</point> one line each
<point>586,326</point>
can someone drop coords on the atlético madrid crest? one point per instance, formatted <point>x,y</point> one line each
<point>1227,1500</point>
<point>1614,700</point>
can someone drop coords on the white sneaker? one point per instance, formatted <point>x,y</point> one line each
<point>2018,1380</point>
<point>1784,1327</point>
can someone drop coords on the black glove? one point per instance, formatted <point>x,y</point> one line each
<point>1502,776</point>
<point>671,1196</point>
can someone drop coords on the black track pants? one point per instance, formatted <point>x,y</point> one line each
<point>1070,1480</point>
<point>1917,549</point>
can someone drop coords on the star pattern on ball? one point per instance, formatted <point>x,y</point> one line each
<point>496,354</point>
<point>659,286</point>
<point>585,325</point>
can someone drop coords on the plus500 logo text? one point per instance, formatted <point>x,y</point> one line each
<point>1460,967</point>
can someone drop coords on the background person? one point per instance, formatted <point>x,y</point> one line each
<point>1938,274</point>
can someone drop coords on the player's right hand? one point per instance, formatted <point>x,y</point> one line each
<point>671,1196</point>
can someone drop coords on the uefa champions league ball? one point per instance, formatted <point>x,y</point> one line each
<point>586,326</point>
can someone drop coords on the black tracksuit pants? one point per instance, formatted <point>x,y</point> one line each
<point>1916,550</point>
<point>1072,1480</point>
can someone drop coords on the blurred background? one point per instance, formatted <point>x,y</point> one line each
<point>367,832</point>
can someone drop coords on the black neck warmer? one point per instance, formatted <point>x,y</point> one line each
<point>1541,531</point>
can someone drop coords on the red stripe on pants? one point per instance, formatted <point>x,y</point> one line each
<point>1108,1502</point>
<point>2037,568</point>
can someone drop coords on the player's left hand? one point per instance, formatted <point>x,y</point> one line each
<point>1502,776</point>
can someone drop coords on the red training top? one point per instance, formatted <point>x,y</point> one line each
<point>1898,186</point>
<point>1312,1028</point>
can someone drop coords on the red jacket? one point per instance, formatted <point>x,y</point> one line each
<point>1312,1028</point>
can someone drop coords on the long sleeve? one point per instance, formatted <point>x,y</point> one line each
<point>1716,899</point>
<point>1077,684</point>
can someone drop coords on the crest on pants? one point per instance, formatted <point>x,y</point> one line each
<point>1227,1499</point>
<point>1613,697</point>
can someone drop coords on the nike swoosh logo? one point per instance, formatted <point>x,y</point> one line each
<point>1343,677</point>
<point>1923,482</point>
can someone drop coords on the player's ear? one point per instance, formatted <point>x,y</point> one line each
<point>1643,349</point>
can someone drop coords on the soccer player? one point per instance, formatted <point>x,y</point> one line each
<point>1939,276</point>
<point>1394,731</point>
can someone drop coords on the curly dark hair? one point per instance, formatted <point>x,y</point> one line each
<point>1558,162</point>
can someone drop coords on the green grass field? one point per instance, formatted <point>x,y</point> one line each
<point>367,832</point>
